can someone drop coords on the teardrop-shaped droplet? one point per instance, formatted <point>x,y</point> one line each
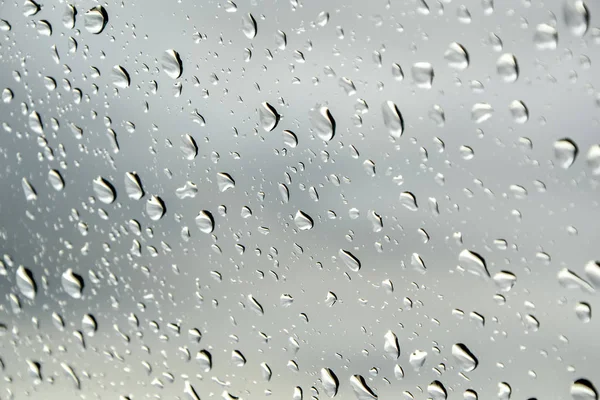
<point>120,77</point>
<point>583,311</point>
<point>565,152</point>
<point>268,116</point>
<point>133,186</point>
<point>249,26</point>
<point>361,389</point>
<point>171,64</point>
<point>303,221</point>
<point>56,180</point>
<point>349,260</point>
<point>205,221</point>
<point>466,361</point>
<point>104,191</point>
<point>204,359</point>
<point>390,344</point>
<point>329,381</point>
<point>457,56</point>
<point>437,391</point>
<point>35,123</point>
<point>593,159</point>
<point>473,263</point>
<point>323,123</point>
<point>155,208</point>
<point>188,147</point>
<point>255,305</point>
<point>423,74</point>
<point>25,282</point>
<point>72,283</point>
<point>576,16</point>
<point>392,119</point>
<point>225,181</point>
<point>30,8</point>
<point>29,190</point>
<point>95,20</point>
<point>507,67</point>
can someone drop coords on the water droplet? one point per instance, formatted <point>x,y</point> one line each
<point>391,345</point>
<point>583,312</point>
<point>56,180</point>
<point>249,26</point>
<point>68,17</point>
<point>504,391</point>
<point>7,95</point>
<point>205,221</point>
<point>582,389</point>
<point>392,119</point>
<point>268,116</point>
<point>349,260</point>
<point>545,37</point>
<point>133,186</point>
<point>95,20</point>
<point>29,190</point>
<point>204,359</point>
<point>225,182</point>
<point>437,391</point>
<point>25,282</point>
<point>255,305</point>
<point>329,381</point>
<point>481,112</point>
<point>30,8</point>
<point>593,159</point>
<point>361,389</point>
<point>323,123</point>
<point>457,56</point>
<point>417,359</point>
<point>290,139</point>
<point>473,263</point>
<point>565,152</point>
<point>120,77</point>
<point>104,191</point>
<point>89,325</point>
<point>72,283</point>
<point>507,67</point>
<point>35,123</point>
<point>188,147</point>
<point>417,263</point>
<point>422,74</point>
<point>171,64</point>
<point>408,200</point>
<point>303,221</point>
<point>576,16</point>
<point>466,361</point>
<point>155,208</point>
<point>518,111</point>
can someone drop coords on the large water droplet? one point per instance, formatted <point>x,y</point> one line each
<point>323,123</point>
<point>392,119</point>
<point>133,186</point>
<point>457,56</point>
<point>225,181</point>
<point>120,77</point>
<point>576,16</point>
<point>155,208</point>
<point>268,116</point>
<point>25,282</point>
<point>422,74</point>
<point>361,389</point>
<point>565,152</point>
<point>390,344</point>
<point>249,26</point>
<point>56,180</point>
<point>349,260</point>
<point>205,221</point>
<point>473,263</point>
<point>507,67</point>
<point>171,63</point>
<point>582,389</point>
<point>329,381</point>
<point>72,283</point>
<point>104,190</point>
<point>466,361</point>
<point>95,20</point>
<point>545,37</point>
<point>303,221</point>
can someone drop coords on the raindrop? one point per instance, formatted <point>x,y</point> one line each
<point>155,208</point>
<point>457,56</point>
<point>565,152</point>
<point>466,361</point>
<point>120,77</point>
<point>329,381</point>
<point>95,20</point>
<point>205,221</point>
<point>104,191</point>
<point>349,260</point>
<point>323,123</point>
<point>361,389</point>
<point>422,74</point>
<point>507,67</point>
<point>89,325</point>
<point>408,200</point>
<point>225,182</point>
<point>25,282</point>
<point>303,221</point>
<point>56,180</point>
<point>391,345</point>
<point>545,37</point>
<point>29,190</point>
<point>249,26</point>
<point>188,147</point>
<point>392,119</point>
<point>72,283</point>
<point>481,112</point>
<point>518,111</point>
<point>473,263</point>
<point>133,186</point>
<point>576,16</point>
<point>268,116</point>
<point>171,63</point>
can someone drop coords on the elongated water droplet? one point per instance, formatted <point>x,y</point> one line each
<point>56,180</point>
<point>576,16</point>
<point>133,186</point>
<point>204,359</point>
<point>392,119</point>
<point>25,282</point>
<point>437,391</point>
<point>255,305</point>
<point>329,381</point>
<point>29,190</point>
<point>290,139</point>
<point>249,26</point>
<point>120,77</point>
<point>361,389</point>
<point>72,283</point>
<point>155,208</point>
<point>583,312</point>
<point>408,200</point>
<point>349,260</point>
<point>545,37</point>
<point>518,111</point>
<point>481,112</point>
<point>35,123</point>
<point>473,263</point>
<point>188,147</point>
<point>391,345</point>
<point>68,17</point>
<point>171,63</point>
<point>89,325</point>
